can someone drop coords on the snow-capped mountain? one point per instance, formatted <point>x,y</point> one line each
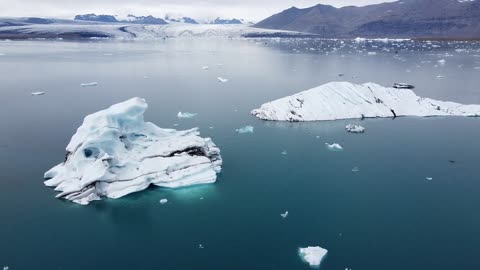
<point>173,19</point>
<point>114,19</point>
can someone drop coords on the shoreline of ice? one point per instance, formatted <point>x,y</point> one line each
<point>344,100</point>
<point>115,153</point>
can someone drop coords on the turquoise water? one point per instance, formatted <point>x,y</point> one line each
<point>385,216</point>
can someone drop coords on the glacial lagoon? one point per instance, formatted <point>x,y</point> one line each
<point>403,195</point>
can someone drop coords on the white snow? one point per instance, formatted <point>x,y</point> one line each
<point>352,128</point>
<point>246,129</point>
<point>38,93</point>
<point>115,153</point>
<point>186,115</point>
<point>344,100</point>
<point>334,147</point>
<point>222,80</point>
<point>89,84</point>
<point>312,255</point>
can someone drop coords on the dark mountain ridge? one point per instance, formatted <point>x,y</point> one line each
<point>401,19</point>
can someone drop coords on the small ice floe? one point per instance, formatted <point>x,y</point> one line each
<point>163,201</point>
<point>312,255</point>
<point>38,93</point>
<point>355,128</point>
<point>284,215</point>
<point>355,169</point>
<point>210,127</point>
<point>334,147</point>
<point>440,77</point>
<point>200,246</point>
<point>205,67</point>
<point>284,152</point>
<point>6,268</point>
<point>186,115</point>
<point>88,84</point>
<point>201,198</point>
<point>145,77</point>
<point>222,80</point>
<point>108,54</point>
<point>429,178</point>
<point>441,62</point>
<point>246,129</point>
<point>372,53</point>
<point>403,86</point>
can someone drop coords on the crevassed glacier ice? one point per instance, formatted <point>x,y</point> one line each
<point>115,153</point>
<point>344,100</point>
<point>312,255</point>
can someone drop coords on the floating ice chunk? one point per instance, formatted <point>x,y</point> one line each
<point>145,77</point>
<point>6,268</point>
<point>403,86</point>
<point>246,129</point>
<point>372,53</point>
<point>312,255</point>
<point>344,100</point>
<point>355,128</point>
<point>186,115</point>
<point>38,93</point>
<point>88,84</point>
<point>115,153</point>
<point>200,246</point>
<point>222,80</point>
<point>284,152</point>
<point>442,62</point>
<point>440,77</point>
<point>284,215</point>
<point>163,201</point>
<point>355,169</point>
<point>205,68</point>
<point>334,147</point>
<point>429,178</point>
<point>108,54</point>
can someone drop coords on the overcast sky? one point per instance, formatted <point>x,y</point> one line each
<point>247,9</point>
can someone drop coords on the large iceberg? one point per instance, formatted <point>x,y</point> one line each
<point>115,153</point>
<point>344,100</point>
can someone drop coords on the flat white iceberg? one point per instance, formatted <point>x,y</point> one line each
<point>222,80</point>
<point>355,128</point>
<point>88,84</point>
<point>38,93</point>
<point>186,115</point>
<point>115,153</point>
<point>312,255</point>
<point>246,129</point>
<point>344,100</point>
<point>334,147</point>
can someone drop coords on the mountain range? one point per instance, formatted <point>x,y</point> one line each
<point>401,19</point>
<point>151,20</point>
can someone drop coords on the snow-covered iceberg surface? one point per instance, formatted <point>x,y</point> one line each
<point>312,255</point>
<point>344,100</point>
<point>115,153</point>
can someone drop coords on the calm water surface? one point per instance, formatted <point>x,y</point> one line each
<point>385,216</point>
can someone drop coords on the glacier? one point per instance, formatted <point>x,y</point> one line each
<point>344,100</point>
<point>312,255</point>
<point>115,153</point>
